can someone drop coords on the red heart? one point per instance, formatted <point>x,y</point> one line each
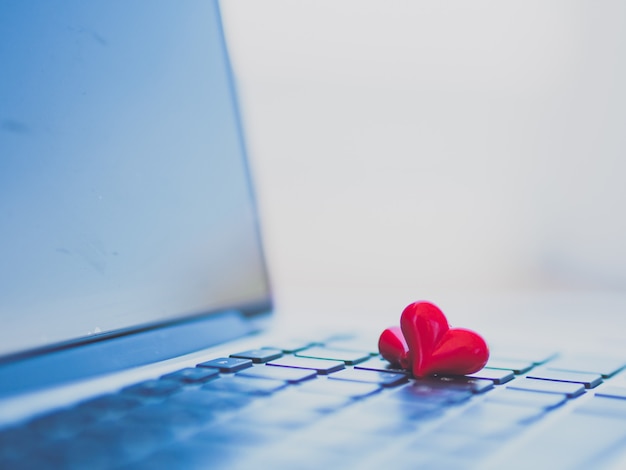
<point>426,345</point>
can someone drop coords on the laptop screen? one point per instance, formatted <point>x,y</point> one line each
<point>124,192</point>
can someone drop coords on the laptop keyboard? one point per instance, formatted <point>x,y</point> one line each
<point>316,405</point>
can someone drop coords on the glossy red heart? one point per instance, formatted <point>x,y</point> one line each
<point>426,345</point>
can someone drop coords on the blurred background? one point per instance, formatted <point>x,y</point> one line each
<point>435,146</point>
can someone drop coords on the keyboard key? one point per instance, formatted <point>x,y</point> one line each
<point>420,392</point>
<point>245,385</point>
<point>331,448</point>
<point>286,374</point>
<point>341,388</point>
<point>212,400</point>
<point>379,364</point>
<point>500,412</point>
<point>444,445</point>
<point>402,410</point>
<point>178,420</point>
<point>588,380</point>
<point>482,428</point>
<point>88,451</point>
<point>259,355</point>
<point>193,375</point>
<point>61,424</point>
<point>153,388</point>
<point>517,366</point>
<point>355,344</point>
<point>349,357</point>
<point>277,417</point>
<point>15,442</point>
<point>127,440</point>
<point>458,382</point>
<point>491,420</point>
<point>191,454</point>
<point>338,336</point>
<point>606,406</point>
<point>239,434</point>
<point>295,399</point>
<point>571,390</point>
<point>290,345</point>
<point>497,376</point>
<point>527,398</point>
<point>530,354</point>
<point>361,421</point>
<point>227,364</point>
<point>386,379</point>
<point>612,391</point>
<point>31,460</point>
<point>322,366</point>
<point>303,454</point>
<point>109,407</point>
<point>606,367</point>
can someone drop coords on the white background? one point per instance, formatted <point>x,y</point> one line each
<point>432,145</point>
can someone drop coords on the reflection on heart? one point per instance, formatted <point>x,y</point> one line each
<point>425,344</point>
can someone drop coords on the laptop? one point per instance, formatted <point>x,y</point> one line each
<point>137,311</point>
